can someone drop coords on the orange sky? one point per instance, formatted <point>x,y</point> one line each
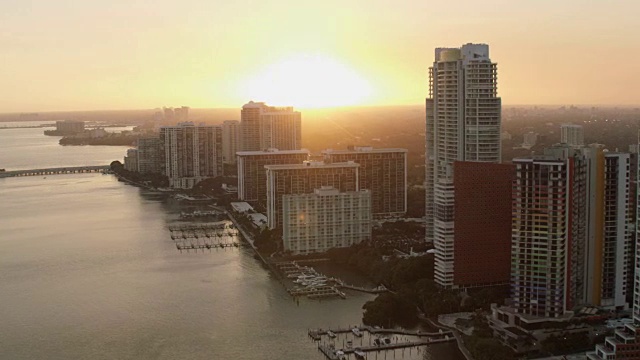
<point>126,54</point>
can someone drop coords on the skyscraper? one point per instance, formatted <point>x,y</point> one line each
<point>571,238</point>
<point>230,140</point>
<point>263,127</point>
<point>482,248</point>
<point>543,236</point>
<point>625,343</point>
<point>609,247</point>
<point>191,153</point>
<point>383,172</point>
<point>462,124</point>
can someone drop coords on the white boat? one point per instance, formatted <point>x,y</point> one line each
<point>356,332</point>
<point>359,354</point>
<point>331,334</point>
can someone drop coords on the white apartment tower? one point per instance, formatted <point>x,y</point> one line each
<point>265,127</point>
<point>304,178</point>
<point>572,135</point>
<point>325,219</point>
<point>462,124</point>
<point>230,140</point>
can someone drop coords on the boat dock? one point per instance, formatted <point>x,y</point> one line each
<point>380,289</point>
<point>196,246</point>
<point>205,236</point>
<point>202,226</point>
<point>331,353</point>
<point>317,292</point>
<point>423,339</point>
<point>316,334</point>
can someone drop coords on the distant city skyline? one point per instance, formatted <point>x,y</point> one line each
<point>98,55</point>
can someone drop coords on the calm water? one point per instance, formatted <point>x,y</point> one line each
<point>30,149</point>
<point>88,271</point>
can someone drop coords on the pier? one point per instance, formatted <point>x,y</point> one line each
<point>196,246</point>
<point>379,290</point>
<point>318,333</point>
<point>54,171</point>
<point>317,292</point>
<point>205,236</point>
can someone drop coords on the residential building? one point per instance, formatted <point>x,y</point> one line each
<point>625,343</point>
<point>252,176</point>
<point>571,243</point>
<point>230,140</point>
<point>572,135</point>
<point>191,153</point>
<point>609,246</point>
<point>383,172</point>
<point>462,124</point>
<point>69,127</point>
<point>263,127</point>
<point>131,160</point>
<point>149,155</point>
<point>549,233</point>
<point>482,247</point>
<point>325,219</point>
<point>304,178</point>
<point>169,115</point>
<point>530,138</point>
<point>181,114</point>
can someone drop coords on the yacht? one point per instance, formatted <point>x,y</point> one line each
<point>356,332</point>
<point>331,334</point>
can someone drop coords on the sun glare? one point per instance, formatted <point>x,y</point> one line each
<point>307,81</point>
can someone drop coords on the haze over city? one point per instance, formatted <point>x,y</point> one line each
<point>98,55</point>
<point>337,180</point>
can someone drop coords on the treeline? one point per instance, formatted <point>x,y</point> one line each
<point>412,285</point>
<point>116,140</point>
<point>482,345</point>
<point>154,180</point>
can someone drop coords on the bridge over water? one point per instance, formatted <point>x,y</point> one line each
<point>54,171</point>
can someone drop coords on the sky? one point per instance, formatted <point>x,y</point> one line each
<point>60,55</point>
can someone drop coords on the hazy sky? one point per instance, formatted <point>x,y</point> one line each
<point>120,54</point>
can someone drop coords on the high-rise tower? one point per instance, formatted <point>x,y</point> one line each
<point>230,140</point>
<point>264,127</point>
<point>190,153</point>
<point>462,124</point>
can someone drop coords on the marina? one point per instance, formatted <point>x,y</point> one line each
<point>314,285</point>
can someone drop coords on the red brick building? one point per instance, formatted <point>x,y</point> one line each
<point>482,233</point>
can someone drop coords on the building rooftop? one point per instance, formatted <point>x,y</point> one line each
<point>241,207</point>
<point>311,165</point>
<point>363,149</point>
<point>326,191</point>
<point>272,152</point>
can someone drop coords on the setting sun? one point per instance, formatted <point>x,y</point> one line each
<point>307,81</point>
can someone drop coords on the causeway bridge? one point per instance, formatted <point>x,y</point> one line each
<point>54,171</point>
